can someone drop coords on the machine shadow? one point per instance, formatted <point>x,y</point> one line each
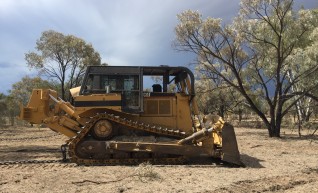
<point>247,162</point>
<point>251,162</point>
<point>29,152</point>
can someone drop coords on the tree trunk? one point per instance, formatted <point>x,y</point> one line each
<point>273,126</point>
<point>274,130</point>
<point>240,114</point>
<point>307,116</point>
<point>62,91</point>
<point>222,111</point>
<point>63,82</point>
<point>12,118</point>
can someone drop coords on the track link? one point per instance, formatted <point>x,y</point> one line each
<point>123,161</point>
<point>141,126</point>
<point>28,138</point>
<point>30,162</point>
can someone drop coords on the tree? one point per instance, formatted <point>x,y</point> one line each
<point>254,54</point>
<point>62,57</point>
<point>3,108</point>
<point>214,96</point>
<point>305,54</point>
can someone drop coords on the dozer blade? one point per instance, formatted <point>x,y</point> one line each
<point>230,150</point>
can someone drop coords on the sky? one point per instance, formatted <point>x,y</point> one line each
<point>124,32</point>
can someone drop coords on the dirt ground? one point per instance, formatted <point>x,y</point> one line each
<point>288,164</point>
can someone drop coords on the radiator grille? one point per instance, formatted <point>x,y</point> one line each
<point>164,107</point>
<point>158,107</point>
<point>152,107</point>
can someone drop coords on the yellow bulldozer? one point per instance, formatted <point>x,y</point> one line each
<point>112,119</point>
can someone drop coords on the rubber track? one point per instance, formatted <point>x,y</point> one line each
<point>128,161</point>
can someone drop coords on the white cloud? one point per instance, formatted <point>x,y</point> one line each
<point>124,32</point>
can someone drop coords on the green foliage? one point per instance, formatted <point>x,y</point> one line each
<point>3,109</point>
<point>215,97</point>
<point>267,55</point>
<point>63,58</point>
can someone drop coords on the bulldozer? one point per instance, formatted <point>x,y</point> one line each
<point>112,119</point>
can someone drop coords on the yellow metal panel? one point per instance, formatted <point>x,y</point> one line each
<point>95,98</point>
<point>184,121</point>
<point>58,128</point>
<point>169,122</point>
<point>99,97</point>
<point>38,107</point>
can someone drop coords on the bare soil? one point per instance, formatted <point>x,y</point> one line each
<point>289,164</point>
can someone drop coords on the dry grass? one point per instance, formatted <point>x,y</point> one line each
<point>146,172</point>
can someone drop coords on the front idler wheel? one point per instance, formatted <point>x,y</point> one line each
<point>102,130</point>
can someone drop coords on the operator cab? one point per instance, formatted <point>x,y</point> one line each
<point>127,81</point>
